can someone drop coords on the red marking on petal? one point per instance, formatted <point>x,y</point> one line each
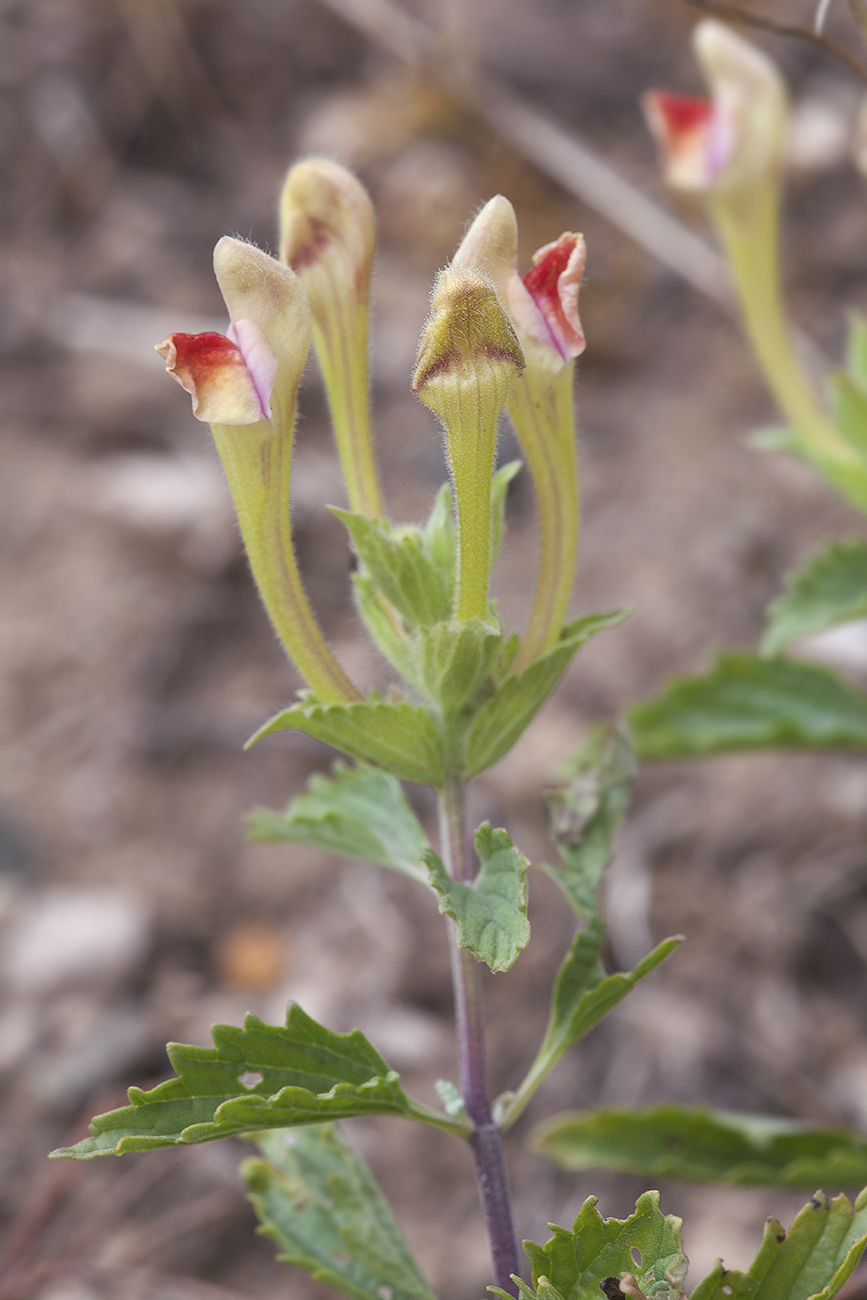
<point>553,283</point>
<point>687,129</point>
<point>681,113</point>
<point>212,369</point>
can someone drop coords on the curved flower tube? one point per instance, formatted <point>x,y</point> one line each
<point>544,309</point>
<point>246,386</point>
<point>467,362</point>
<point>729,149</point>
<point>327,232</point>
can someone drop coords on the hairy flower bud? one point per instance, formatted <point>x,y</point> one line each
<point>468,360</point>
<point>327,233</point>
<point>544,311</point>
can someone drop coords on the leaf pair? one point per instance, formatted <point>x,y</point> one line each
<point>642,1256</point>
<point>414,744</point>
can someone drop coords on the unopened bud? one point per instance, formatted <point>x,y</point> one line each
<point>468,360</point>
<point>327,233</point>
<point>468,348</point>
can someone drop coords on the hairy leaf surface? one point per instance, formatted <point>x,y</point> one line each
<point>317,1199</point>
<point>501,719</point>
<point>403,569</point>
<point>359,812</point>
<point>400,738</point>
<point>491,912</point>
<point>259,1077</point>
<point>576,1263</point>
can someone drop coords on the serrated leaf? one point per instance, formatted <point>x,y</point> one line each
<point>359,812</point>
<point>706,1146</point>
<point>396,558</point>
<point>261,1076</point>
<point>317,1199</point>
<point>499,491</point>
<point>586,812</point>
<point>810,1262</point>
<point>400,738</point>
<point>746,702</point>
<point>455,659</point>
<point>577,1262</point>
<point>829,590</point>
<point>490,912</point>
<point>501,719</point>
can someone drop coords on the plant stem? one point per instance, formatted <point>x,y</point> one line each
<point>485,1140</point>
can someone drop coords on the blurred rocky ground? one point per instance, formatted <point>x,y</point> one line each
<point>135,659</point>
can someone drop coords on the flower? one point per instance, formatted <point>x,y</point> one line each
<point>468,359</point>
<point>327,233</point>
<point>543,307</point>
<point>732,140</point>
<point>245,384</point>
<point>230,383</point>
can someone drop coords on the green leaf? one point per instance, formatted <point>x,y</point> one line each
<point>830,589</point>
<point>586,812</point>
<point>360,812</point>
<point>386,628</point>
<point>777,438</point>
<point>491,912</point>
<point>849,404</point>
<point>576,1263</point>
<point>499,490</point>
<point>261,1076</point>
<point>706,1146</point>
<point>440,537</point>
<point>421,590</point>
<point>585,815</point>
<point>856,351</point>
<point>455,659</point>
<point>400,738</point>
<point>583,995</point>
<point>810,1262</point>
<point>317,1199</point>
<point>501,719</point>
<point>746,702</point>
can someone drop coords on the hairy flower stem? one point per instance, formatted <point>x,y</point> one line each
<point>485,1141</point>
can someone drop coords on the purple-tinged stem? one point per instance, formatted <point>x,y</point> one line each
<point>485,1142</point>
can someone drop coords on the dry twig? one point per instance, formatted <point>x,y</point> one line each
<point>734,13</point>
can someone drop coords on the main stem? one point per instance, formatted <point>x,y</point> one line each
<point>485,1142</point>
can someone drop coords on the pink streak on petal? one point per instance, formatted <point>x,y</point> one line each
<point>258,357</point>
<point>553,283</point>
<point>211,368</point>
